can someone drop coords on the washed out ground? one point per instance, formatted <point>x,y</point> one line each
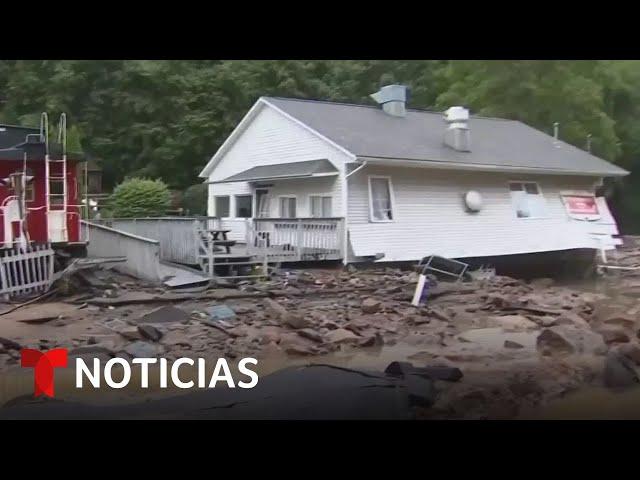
<point>527,349</point>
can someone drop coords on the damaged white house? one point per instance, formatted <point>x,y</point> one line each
<point>321,180</point>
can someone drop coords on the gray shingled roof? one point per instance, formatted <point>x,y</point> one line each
<point>283,171</point>
<point>367,131</point>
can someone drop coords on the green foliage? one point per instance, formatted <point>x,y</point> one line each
<point>140,197</point>
<point>165,119</point>
<point>194,200</point>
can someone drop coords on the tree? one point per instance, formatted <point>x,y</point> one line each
<point>194,200</point>
<point>140,197</point>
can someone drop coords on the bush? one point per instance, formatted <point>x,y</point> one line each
<point>194,200</point>
<point>140,197</point>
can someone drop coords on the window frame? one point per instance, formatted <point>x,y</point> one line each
<point>321,196</point>
<point>392,199</point>
<point>280,197</point>
<point>540,194</point>
<point>215,205</point>
<point>235,205</point>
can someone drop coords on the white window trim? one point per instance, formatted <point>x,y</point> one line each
<point>393,201</point>
<point>235,204</point>
<point>280,206</point>
<point>540,192</point>
<point>310,209</point>
<point>215,206</point>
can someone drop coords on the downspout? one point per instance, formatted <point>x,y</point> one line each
<point>345,203</point>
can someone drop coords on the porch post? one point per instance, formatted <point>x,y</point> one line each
<point>300,232</point>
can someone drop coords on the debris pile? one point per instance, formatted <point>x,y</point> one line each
<point>518,342</point>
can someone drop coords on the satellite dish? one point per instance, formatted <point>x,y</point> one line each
<point>473,201</point>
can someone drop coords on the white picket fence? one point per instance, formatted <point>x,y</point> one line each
<point>25,271</point>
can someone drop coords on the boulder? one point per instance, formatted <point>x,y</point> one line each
<point>9,344</point>
<point>572,318</point>
<point>631,351</point>
<point>311,334</point>
<point>142,350</point>
<point>542,282</point>
<point>512,323</point>
<point>512,344</point>
<point>370,305</point>
<point>621,320</point>
<point>614,335</point>
<point>619,372</point>
<point>341,335</point>
<point>150,332</point>
<point>564,339</point>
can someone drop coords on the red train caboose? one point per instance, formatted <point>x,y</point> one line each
<point>39,189</point>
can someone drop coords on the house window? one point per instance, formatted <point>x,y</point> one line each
<point>244,206</point>
<point>262,203</point>
<point>222,206</point>
<point>287,207</point>
<point>380,199</point>
<point>320,206</point>
<point>527,200</point>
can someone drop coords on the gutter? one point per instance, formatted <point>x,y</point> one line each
<point>485,167</point>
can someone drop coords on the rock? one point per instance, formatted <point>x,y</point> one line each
<point>512,323</point>
<point>622,320</point>
<point>299,350</point>
<point>166,314</point>
<point>175,338</point>
<point>619,372</point>
<point>631,351</point>
<point>572,318</point>
<point>296,321</point>
<point>614,335</point>
<point>372,341</point>
<point>274,308</point>
<point>142,350</point>
<point>341,335</point>
<point>512,344</point>
<point>9,344</point>
<point>130,333</point>
<point>109,293</point>
<point>150,332</point>
<point>564,339</point>
<point>370,305</point>
<point>311,334</point>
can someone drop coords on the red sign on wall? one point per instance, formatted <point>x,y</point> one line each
<point>581,205</point>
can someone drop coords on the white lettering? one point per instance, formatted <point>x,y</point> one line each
<point>174,373</point>
<point>108,377</point>
<point>144,369</point>
<point>221,365</point>
<point>94,378</point>
<point>249,373</point>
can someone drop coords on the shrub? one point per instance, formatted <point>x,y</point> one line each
<point>194,200</point>
<point>140,197</point>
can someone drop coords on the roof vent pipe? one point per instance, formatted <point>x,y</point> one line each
<point>393,99</point>
<point>457,135</point>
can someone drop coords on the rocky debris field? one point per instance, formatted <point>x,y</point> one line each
<point>518,344</point>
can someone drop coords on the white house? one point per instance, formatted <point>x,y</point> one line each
<point>324,180</point>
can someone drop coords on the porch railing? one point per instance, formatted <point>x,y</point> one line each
<point>176,235</point>
<point>296,239</point>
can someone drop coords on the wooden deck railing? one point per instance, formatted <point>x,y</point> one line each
<point>296,239</point>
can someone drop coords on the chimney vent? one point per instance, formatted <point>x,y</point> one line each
<point>457,135</point>
<point>393,99</point>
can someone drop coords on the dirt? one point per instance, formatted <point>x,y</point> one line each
<point>522,346</point>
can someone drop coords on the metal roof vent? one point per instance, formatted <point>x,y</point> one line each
<point>457,135</point>
<point>393,99</point>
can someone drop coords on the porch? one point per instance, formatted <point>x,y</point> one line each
<point>188,240</point>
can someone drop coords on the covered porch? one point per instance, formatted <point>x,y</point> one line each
<point>286,212</point>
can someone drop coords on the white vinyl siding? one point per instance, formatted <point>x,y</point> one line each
<point>430,217</point>
<point>270,139</point>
